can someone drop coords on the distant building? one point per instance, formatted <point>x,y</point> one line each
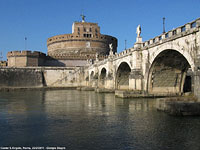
<point>3,63</point>
<point>74,49</point>
<point>25,58</point>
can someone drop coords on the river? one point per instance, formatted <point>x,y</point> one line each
<point>87,120</point>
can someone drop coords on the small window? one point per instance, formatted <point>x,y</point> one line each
<point>96,30</point>
<point>148,42</point>
<point>174,32</point>
<point>90,29</point>
<point>87,35</point>
<point>183,29</point>
<point>193,25</point>
<point>160,37</point>
<point>78,29</point>
<point>154,40</point>
<point>84,29</point>
<point>166,35</point>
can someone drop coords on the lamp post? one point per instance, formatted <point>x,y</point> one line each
<point>163,24</point>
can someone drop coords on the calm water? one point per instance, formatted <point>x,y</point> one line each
<point>90,121</point>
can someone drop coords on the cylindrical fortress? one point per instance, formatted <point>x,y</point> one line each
<point>84,40</point>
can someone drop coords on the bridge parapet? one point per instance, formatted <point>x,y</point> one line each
<point>123,53</point>
<point>174,34</point>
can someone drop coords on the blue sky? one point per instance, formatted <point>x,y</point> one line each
<point>40,19</point>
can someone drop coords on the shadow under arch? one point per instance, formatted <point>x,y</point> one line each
<point>122,76</point>
<point>92,75</point>
<point>102,77</point>
<point>168,73</point>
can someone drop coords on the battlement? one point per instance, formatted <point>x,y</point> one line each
<point>175,33</point>
<point>25,53</point>
<point>74,38</point>
<point>77,56</point>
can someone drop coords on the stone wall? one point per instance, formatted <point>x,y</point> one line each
<point>61,76</point>
<point>42,77</point>
<point>21,77</point>
<point>25,58</point>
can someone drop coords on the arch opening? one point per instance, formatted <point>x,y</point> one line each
<point>92,75</point>
<point>102,77</point>
<point>168,73</point>
<point>187,87</point>
<point>122,76</point>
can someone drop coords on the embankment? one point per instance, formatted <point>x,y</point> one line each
<point>40,77</point>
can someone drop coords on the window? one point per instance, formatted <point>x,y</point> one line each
<point>183,29</point>
<point>90,29</point>
<point>174,32</point>
<point>166,35</point>
<point>84,29</point>
<point>96,30</point>
<point>87,35</point>
<point>193,25</point>
<point>160,37</point>
<point>78,29</point>
<point>154,40</point>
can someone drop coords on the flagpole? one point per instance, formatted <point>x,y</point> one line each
<point>25,43</point>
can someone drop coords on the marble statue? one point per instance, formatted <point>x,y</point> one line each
<point>138,31</point>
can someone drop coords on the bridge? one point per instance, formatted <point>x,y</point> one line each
<point>166,64</point>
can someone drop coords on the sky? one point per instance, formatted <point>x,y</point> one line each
<point>40,19</point>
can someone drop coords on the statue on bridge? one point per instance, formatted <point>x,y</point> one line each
<point>138,30</point>
<point>139,42</point>
<point>111,49</point>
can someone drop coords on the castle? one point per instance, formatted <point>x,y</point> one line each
<point>83,45</point>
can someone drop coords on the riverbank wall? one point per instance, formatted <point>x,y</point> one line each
<point>38,77</point>
<point>19,77</point>
<point>179,106</point>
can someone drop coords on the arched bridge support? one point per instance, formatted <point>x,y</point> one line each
<point>136,80</point>
<point>196,79</point>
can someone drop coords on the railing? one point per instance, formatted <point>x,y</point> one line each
<point>182,29</point>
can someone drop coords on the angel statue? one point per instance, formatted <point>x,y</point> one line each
<point>111,49</point>
<point>111,46</point>
<point>138,31</point>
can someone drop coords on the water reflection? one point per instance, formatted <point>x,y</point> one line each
<point>87,120</point>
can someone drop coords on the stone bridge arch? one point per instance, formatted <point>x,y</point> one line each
<point>168,72</point>
<point>92,75</point>
<point>102,77</point>
<point>157,50</point>
<point>124,60</point>
<point>122,76</point>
